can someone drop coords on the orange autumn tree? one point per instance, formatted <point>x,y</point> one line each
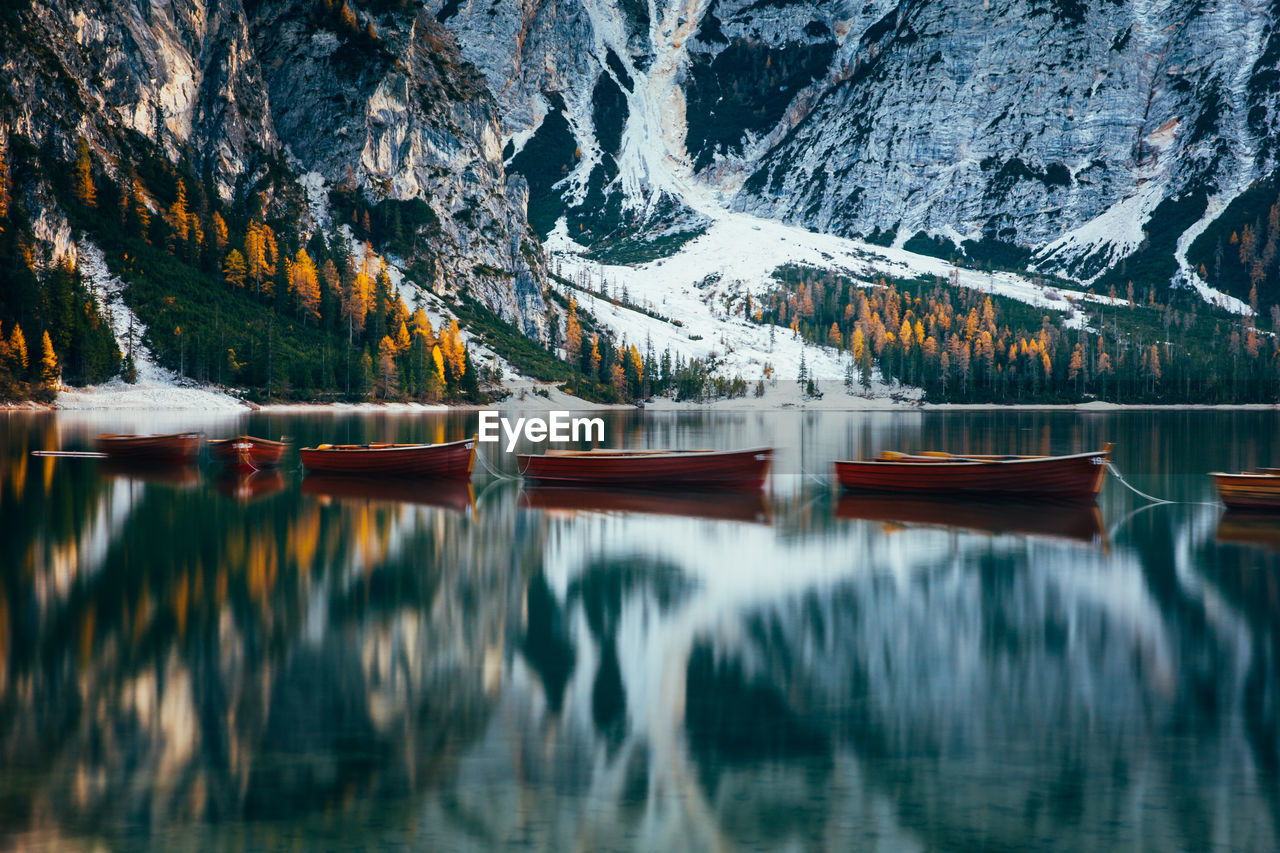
<point>260,254</point>
<point>234,271</point>
<point>82,178</point>
<point>304,285</point>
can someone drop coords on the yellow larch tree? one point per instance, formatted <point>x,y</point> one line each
<point>593,359</point>
<point>422,326</point>
<point>18,348</point>
<point>355,301</point>
<point>86,192</point>
<point>234,270</point>
<point>304,284</point>
<point>48,362</point>
<point>437,358</point>
<point>220,234</point>
<point>141,207</point>
<point>260,255</point>
<point>454,348</point>
<point>573,333</point>
<point>177,217</point>
<point>387,373</point>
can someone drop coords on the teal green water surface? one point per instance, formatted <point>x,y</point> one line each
<point>191,661</point>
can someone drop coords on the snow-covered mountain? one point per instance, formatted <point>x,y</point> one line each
<point>1056,126</point>
<point>1074,139</point>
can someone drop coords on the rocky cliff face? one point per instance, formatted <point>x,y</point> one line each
<point>173,75</point>
<point>1020,121</point>
<point>1055,125</point>
<point>394,110</point>
<point>376,100</point>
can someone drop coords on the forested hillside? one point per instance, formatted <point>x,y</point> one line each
<point>961,345</point>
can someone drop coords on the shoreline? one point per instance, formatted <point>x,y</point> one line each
<point>663,405</point>
<point>527,395</point>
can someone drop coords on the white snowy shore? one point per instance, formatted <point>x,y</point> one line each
<point>157,388</point>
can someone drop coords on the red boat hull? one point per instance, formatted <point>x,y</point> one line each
<point>1072,478</point>
<point>441,461</point>
<point>178,448</point>
<point>734,469</point>
<point>246,453</point>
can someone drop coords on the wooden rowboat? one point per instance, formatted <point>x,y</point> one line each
<point>748,507</point>
<point>247,453</point>
<point>452,460</point>
<point>741,470</point>
<point>178,448</point>
<point>1260,491</point>
<point>1077,477</point>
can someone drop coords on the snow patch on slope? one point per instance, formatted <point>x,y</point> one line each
<point>157,387</point>
<point>1237,136</point>
<point>1187,275</point>
<point>1106,239</point>
<point>705,286</point>
<point>317,192</point>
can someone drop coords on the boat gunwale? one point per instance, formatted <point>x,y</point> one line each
<point>578,455</point>
<point>971,462</point>
<point>374,448</point>
<point>1245,475</point>
<point>222,442</point>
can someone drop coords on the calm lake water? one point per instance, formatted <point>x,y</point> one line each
<point>281,662</point>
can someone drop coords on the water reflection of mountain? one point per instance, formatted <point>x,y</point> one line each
<point>177,664</point>
<point>981,700</point>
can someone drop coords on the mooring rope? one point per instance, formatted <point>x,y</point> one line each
<point>1155,501</point>
<point>825,482</point>
<point>1115,472</point>
<point>484,463</point>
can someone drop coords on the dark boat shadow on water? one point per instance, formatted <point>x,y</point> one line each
<point>1259,529</point>
<point>748,507</point>
<point>1072,522</point>
<point>454,495</point>
<point>180,475</point>
<point>251,486</point>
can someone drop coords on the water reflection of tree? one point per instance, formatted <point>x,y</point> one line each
<point>227,661</point>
